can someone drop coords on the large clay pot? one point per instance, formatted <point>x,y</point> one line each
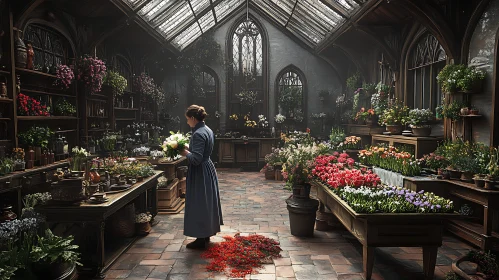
<point>394,129</point>
<point>421,131</point>
<point>301,190</point>
<point>20,50</point>
<point>302,215</point>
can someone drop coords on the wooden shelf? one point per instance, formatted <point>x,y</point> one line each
<point>4,72</point>
<point>96,130</point>
<point>41,118</point>
<point>126,109</point>
<point>65,131</point>
<point>6,100</point>
<point>48,93</point>
<point>470,116</point>
<point>5,119</point>
<point>33,72</point>
<point>98,117</point>
<point>99,95</point>
<point>97,100</point>
<point>125,119</point>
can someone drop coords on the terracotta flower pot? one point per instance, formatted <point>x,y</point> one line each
<point>467,176</point>
<point>394,129</point>
<point>455,174</point>
<point>480,183</point>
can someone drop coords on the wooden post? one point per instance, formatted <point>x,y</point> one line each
<point>368,261</point>
<point>429,261</point>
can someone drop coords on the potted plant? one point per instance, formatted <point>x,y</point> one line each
<point>141,151</point>
<point>435,162</point>
<point>19,163</point>
<point>452,110</point>
<point>54,256</point>
<point>448,77</point>
<point>91,72</point>
<point>419,120</point>
<point>117,82</point>
<point>64,108</point>
<point>493,168</point>
<point>394,117</point>
<point>479,180</point>
<point>65,76</point>
<point>471,80</point>
<point>361,116</point>
<point>474,110</point>
<point>143,223</point>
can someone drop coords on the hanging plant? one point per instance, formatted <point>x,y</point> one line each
<point>65,76</point>
<point>117,82</point>
<point>144,84</point>
<point>92,72</point>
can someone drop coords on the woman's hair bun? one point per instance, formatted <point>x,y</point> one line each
<point>197,112</point>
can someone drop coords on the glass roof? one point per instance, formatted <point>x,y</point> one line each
<point>181,22</point>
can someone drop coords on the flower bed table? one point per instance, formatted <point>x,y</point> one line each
<point>389,230</point>
<point>87,222</point>
<point>422,145</point>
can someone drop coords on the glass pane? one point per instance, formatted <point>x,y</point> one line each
<point>235,54</point>
<point>180,17</point>
<point>199,5</point>
<point>299,27</point>
<point>248,43</point>
<point>347,4</point>
<point>154,8</point>
<point>225,7</point>
<point>187,36</point>
<point>320,12</point>
<point>259,56</point>
<point>276,12</point>
<point>134,3</point>
<point>207,21</point>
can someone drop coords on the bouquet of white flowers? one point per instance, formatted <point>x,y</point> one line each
<point>143,218</point>
<point>174,144</point>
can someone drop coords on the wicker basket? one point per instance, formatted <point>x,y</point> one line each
<point>68,190</point>
<point>122,223</point>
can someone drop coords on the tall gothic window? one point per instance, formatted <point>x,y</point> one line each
<point>246,76</point>
<point>125,69</point>
<point>50,47</point>
<point>290,97</point>
<point>204,92</point>
<point>425,62</point>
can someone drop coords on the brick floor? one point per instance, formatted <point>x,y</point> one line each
<point>251,205</point>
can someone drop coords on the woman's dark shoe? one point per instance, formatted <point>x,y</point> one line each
<point>199,243</point>
<point>207,239</point>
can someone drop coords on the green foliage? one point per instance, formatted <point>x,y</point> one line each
<point>354,82</point>
<point>64,108</point>
<point>454,77</point>
<point>116,81</point>
<point>337,136</point>
<point>290,98</point>
<point>36,136</point>
<point>369,88</point>
<point>55,249</point>
<point>452,110</point>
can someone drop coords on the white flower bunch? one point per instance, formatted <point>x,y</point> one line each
<point>143,218</point>
<point>262,121</point>
<point>141,150</point>
<point>80,152</point>
<point>157,154</point>
<point>279,118</point>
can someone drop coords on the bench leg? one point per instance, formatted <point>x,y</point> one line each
<point>429,261</point>
<point>368,261</point>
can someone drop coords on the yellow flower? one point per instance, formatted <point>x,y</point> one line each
<point>173,144</point>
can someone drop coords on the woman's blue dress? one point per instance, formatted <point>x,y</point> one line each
<point>203,212</point>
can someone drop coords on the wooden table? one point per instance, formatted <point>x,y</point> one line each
<point>480,231</point>
<point>422,145</point>
<point>90,222</point>
<point>389,230</point>
<point>237,152</point>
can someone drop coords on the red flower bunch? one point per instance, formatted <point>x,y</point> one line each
<point>242,254</point>
<point>92,72</point>
<point>28,106</point>
<point>337,171</point>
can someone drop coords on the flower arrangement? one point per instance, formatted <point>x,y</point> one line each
<point>65,76</point>
<point>337,136</point>
<point>28,106</point>
<point>395,114</point>
<point>262,121</point>
<point>143,218</point>
<point>419,117</point>
<point>234,117</point>
<point>141,151</point>
<point>350,143</point>
<point>248,122</point>
<point>159,95</point>
<point>296,169</point>
<point>297,137</point>
<point>117,82</point>
<point>64,108</point>
<point>435,161</point>
<point>392,159</point>
<point>364,114</point>
<point>389,199</point>
<point>279,118</point>
<point>92,72</point>
<point>379,101</point>
<point>79,157</point>
<point>108,142</point>
<point>144,84</point>
<point>247,97</point>
<point>239,256</point>
<point>18,154</point>
<point>337,172</point>
<point>174,144</point>
<point>455,77</point>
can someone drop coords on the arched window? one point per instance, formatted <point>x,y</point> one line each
<point>291,95</point>
<point>205,92</point>
<point>125,69</point>
<point>247,73</point>
<point>425,61</point>
<point>50,47</point>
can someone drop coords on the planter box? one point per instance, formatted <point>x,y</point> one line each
<point>389,230</point>
<point>168,197</point>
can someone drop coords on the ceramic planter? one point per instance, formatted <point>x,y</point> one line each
<point>454,174</point>
<point>467,176</point>
<point>394,129</point>
<point>479,183</point>
<point>421,131</point>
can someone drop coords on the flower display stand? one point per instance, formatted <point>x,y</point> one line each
<point>422,145</point>
<point>169,198</point>
<point>389,230</point>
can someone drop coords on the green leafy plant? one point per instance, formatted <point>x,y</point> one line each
<point>290,98</point>
<point>396,114</point>
<point>337,136</point>
<point>419,117</point>
<point>36,137</point>
<point>452,110</point>
<point>117,82</point>
<point>55,249</point>
<point>353,82</point>
<point>369,88</point>
<point>64,108</point>
<point>454,77</point>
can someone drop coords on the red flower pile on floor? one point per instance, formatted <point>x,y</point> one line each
<point>241,255</point>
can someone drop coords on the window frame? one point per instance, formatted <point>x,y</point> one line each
<point>303,79</point>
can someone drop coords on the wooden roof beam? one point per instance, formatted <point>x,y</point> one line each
<point>366,8</point>
<point>336,7</point>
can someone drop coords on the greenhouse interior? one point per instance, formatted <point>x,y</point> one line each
<point>249,139</point>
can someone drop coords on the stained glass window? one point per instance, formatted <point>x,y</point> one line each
<point>427,59</point>
<point>50,47</point>
<point>247,43</point>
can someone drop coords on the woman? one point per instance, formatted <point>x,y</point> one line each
<point>203,212</point>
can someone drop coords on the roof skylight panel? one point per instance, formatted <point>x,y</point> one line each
<point>207,21</point>
<point>306,17</point>
<point>199,5</point>
<point>347,4</point>
<point>275,11</point>
<point>305,30</point>
<point>134,3</point>
<point>187,36</point>
<point>154,8</point>
<point>178,19</point>
<point>321,12</point>
<point>225,7</point>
